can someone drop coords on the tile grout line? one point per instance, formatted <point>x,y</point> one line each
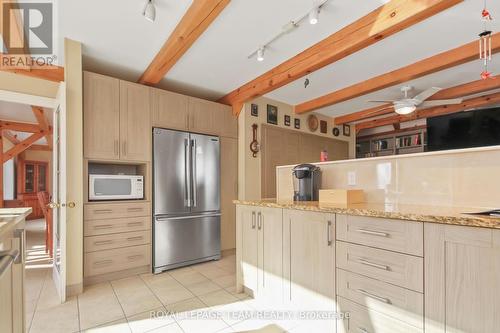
<point>38,299</point>
<point>120,303</point>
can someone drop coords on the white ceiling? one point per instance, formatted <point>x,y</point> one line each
<point>118,41</point>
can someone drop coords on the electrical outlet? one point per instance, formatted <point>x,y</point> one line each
<point>351,178</point>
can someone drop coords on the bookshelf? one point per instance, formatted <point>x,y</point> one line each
<point>398,142</point>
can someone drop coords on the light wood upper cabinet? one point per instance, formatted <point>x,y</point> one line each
<point>462,272</point>
<point>101,105</point>
<point>135,122</point>
<point>203,116</point>
<point>169,110</point>
<point>212,118</point>
<point>229,191</point>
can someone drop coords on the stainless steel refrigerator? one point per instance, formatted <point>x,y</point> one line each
<point>186,203</point>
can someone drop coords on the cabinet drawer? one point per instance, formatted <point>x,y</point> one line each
<point>115,241</point>
<point>400,269</point>
<point>394,235</point>
<point>116,210</point>
<point>396,302</point>
<point>113,226</point>
<point>364,320</point>
<point>116,260</point>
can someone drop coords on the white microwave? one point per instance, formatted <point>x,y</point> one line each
<point>116,187</point>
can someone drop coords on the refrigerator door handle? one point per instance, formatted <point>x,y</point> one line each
<point>187,179</point>
<point>159,219</point>
<point>194,183</point>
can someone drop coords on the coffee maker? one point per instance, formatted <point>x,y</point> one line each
<point>306,182</point>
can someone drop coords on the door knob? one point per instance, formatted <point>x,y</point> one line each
<point>53,205</point>
<point>70,204</point>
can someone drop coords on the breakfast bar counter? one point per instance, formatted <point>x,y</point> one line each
<point>419,213</point>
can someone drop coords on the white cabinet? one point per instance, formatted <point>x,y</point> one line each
<point>462,274</point>
<point>309,264</point>
<point>260,252</point>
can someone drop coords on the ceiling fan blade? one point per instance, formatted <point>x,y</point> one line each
<point>439,102</point>
<point>426,94</point>
<point>389,101</point>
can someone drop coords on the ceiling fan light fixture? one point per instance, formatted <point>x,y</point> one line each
<point>149,12</point>
<point>404,109</point>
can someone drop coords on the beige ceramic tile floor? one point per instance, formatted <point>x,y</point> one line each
<point>127,305</point>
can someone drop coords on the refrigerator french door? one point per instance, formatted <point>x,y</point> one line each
<point>186,186</point>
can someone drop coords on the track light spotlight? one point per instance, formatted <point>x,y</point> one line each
<point>149,11</point>
<point>314,16</point>
<point>260,54</point>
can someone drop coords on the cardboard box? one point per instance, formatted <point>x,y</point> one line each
<point>341,196</point>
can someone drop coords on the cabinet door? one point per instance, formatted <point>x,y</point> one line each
<point>309,264</point>
<point>202,116</point>
<point>270,227</point>
<point>229,191</point>
<point>101,116</point>
<point>169,110</point>
<point>229,122</point>
<point>135,122</point>
<point>249,247</point>
<point>462,270</point>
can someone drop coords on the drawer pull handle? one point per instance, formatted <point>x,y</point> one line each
<point>138,256</point>
<point>374,233</point>
<point>103,242</point>
<point>329,233</point>
<point>135,238</point>
<point>136,209</point>
<point>101,211</point>
<point>103,226</point>
<point>367,294</point>
<point>134,224</point>
<point>103,262</point>
<point>372,264</point>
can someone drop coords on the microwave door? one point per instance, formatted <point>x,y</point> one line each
<point>171,159</point>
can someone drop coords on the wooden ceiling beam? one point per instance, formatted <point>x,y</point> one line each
<point>459,91</point>
<point>198,17</point>
<point>11,137</point>
<point>39,114</point>
<point>49,73</point>
<point>436,63</point>
<point>22,146</point>
<point>40,148</point>
<point>385,21</point>
<point>432,112</point>
<point>19,127</point>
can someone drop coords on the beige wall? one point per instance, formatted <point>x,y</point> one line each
<point>249,168</point>
<point>74,166</point>
<point>462,178</point>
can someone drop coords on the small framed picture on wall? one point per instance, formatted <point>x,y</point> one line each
<point>347,130</point>
<point>297,123</point>
<point>287,120</point>
<point>272,114</point>
<point>254,111</point>
<point>323,126</point>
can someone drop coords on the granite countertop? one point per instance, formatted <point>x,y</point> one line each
<point>10,217</point>
<point>420,213</point>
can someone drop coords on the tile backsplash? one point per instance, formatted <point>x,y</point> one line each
<point>461,178</point>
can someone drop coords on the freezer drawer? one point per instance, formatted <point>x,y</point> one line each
<point>185,240</point>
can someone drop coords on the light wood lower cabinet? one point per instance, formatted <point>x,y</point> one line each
<point>462,276</point>
<point>261,263</point>
<point>309,264</point>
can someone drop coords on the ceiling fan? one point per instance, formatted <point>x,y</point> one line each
<point>408,105</point>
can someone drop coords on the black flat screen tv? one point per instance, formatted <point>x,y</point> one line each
<point>468,129</point>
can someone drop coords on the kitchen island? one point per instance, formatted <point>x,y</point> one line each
<point>392,268</point>
<point>12,240</point>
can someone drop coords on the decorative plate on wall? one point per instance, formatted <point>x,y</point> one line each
<point>312,123</point>
<point>336,131</point>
